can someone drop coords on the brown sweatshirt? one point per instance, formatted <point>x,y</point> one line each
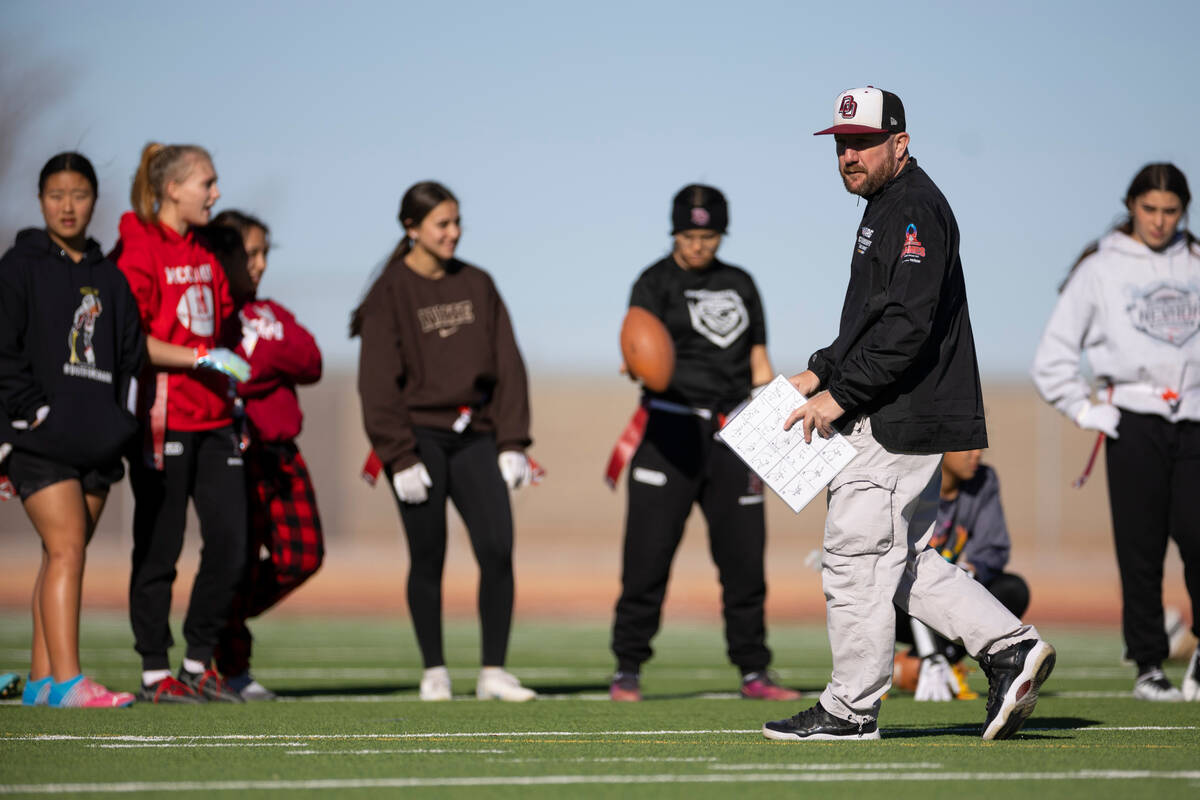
<point>431,347</point>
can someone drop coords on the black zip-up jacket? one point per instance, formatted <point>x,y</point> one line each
<point>70,339</point>
<point>904,354</point>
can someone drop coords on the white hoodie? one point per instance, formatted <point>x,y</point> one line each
<point>1136,314</point>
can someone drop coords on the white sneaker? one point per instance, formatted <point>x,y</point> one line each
<point>1191,678</point>
<point>1153,685</point>
<point>496,684</point>
<point>435,684</point>
<point>250,689</point>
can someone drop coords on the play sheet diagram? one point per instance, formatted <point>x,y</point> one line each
<point>796,470</point>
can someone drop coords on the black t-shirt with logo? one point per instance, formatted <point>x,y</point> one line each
<point>714,317</point>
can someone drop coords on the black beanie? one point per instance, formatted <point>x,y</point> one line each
<point>698,206</point>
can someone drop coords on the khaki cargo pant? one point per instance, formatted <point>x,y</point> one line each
<point>882,509</point>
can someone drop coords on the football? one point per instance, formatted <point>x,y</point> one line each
<point>647,349</point>
<point>906,669</point>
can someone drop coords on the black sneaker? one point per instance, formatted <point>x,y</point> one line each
<point>817,724</point>
<point>1153,685</point>
<point>166,691</point>
<point>1014,676</point>
<point>208,684</point>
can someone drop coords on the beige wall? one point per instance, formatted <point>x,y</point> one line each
<point>569,528</point>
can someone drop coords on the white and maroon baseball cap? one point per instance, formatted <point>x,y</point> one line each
<point>866,110</point>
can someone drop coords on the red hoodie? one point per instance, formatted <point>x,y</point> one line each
<point>183,297</point>
<point>282,355</point>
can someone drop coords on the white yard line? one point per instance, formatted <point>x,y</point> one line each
<point>300,739</point>
<point>823,767</point>
<point>416,750</point>
<point>576,780</point>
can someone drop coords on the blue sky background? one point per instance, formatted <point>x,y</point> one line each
<point>565,128</point>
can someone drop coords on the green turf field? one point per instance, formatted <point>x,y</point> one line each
<point>350,725</point>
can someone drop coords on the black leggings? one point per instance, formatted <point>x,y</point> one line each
<point>206,466</point>
<point>1154,494</point>
<point>463,469</point>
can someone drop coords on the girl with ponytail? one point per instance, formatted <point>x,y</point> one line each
<point>1131,307</point>
<point>446,406</point>
<point>190,449</point>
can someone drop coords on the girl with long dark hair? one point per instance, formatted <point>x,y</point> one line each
<point>445,404</point>
<point>1131,306</point>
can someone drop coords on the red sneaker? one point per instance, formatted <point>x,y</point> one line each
<point>625,688</point>
<point>168,690</point>
<point>760,686</point>
<point>209,686</point>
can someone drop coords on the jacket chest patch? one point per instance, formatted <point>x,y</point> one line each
<point>446,318</point>
<point>864,240</point>
<point>1170,314</point>
<point>719,316</point>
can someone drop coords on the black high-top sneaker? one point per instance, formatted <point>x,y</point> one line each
<point>1014,676</point>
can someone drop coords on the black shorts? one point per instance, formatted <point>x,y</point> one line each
<point>31,473</point>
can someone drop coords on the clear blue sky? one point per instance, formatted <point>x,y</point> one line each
<point>565,128</point>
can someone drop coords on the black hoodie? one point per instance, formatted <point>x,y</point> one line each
<point>70,339</point>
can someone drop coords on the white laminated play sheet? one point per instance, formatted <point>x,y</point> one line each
<point>796,470</point>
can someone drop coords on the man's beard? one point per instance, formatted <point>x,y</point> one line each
<point>874,180</point>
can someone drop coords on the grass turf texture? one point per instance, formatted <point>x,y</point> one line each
<point>350,725</point>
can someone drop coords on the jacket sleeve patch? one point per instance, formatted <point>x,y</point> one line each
<point>913,251</point>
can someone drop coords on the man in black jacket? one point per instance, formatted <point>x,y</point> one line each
<point>901,382</point>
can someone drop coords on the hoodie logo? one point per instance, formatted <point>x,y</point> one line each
<point>195,310</point>
<point>446,318</point>
<point>720,316</point>
<point>1170,314</point>
<point>83,327</point>
<point>259,322</point>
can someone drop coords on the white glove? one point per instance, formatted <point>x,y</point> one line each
<point>936,682</point>
<point>223,360</point>
<point>514,468</point>
<point>1102,417</point>
<point>412,484</point>
<point>5,449</point>
<point>39,417</point>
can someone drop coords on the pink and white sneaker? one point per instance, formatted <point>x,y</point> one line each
<point>86,693</point>
<point>761,686</point>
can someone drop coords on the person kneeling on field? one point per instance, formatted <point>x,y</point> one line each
<point>970,533</point>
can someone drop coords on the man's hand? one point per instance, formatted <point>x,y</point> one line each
<point>806,382</point>
<point>818,414</point>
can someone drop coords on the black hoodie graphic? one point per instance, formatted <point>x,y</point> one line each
<point>70,339</point>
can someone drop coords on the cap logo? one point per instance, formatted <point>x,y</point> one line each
<point>700,217</point>
<point>849,107</point>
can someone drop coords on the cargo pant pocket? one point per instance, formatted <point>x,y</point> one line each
<point>861,519</point>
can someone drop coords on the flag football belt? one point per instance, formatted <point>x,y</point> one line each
<point>631,438</point>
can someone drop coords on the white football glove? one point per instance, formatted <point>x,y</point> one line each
<point>514,468</point>
<point>224,361</point>
<point>412,484</point>
<point>39,416</point>
<point>1102,417</point>
<point>936,682</point>
<point>5,449</point>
